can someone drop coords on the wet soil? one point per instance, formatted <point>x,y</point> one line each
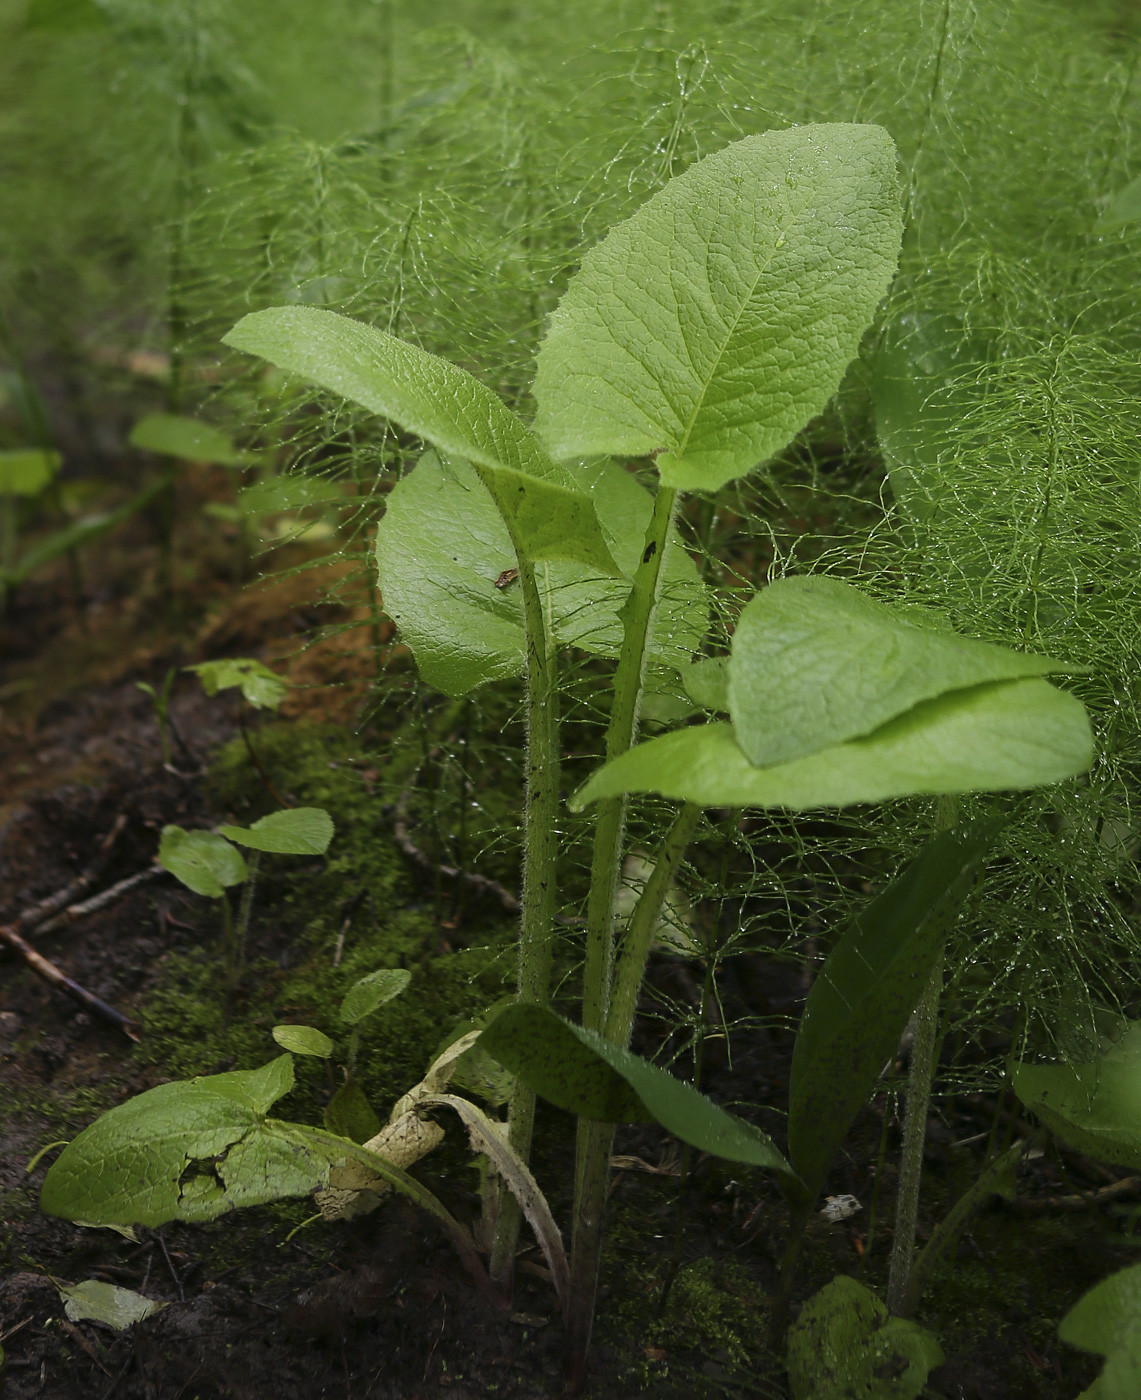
<point>380,1307</point>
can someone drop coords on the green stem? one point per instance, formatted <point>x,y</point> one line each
<point>592,1167</point>
<point>643,922</point>
<point>246,908</point>
<point>924,1053</point>
<point>914,1136</point>
<point>229,945</point>
<point>540,845</point>
<point>800,1213</point>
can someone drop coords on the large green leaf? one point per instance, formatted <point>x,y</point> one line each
<point>445,568</point>
<point>1094,1107</point>
<point>445,406</point>
<point>296,831</point>
<point>1107,1320</point>
<point>715,322</point>
<point>815,662</point>
<point>184,1151</point>
<point>866,990</point>
<point>172,435</point>
<point>579,1071</point>
<point>202,860</point>
<point>845,1346</point>
<point>26,471</point>
<point>1012,734</point>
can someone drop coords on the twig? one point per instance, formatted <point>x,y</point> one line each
<point>350,914</point>
<point>37,913</point>
<point>170,1266</point>
<point>50,973</point>
<point>480,883</point>
<point>1125,1187</point>
<point>103,899</point>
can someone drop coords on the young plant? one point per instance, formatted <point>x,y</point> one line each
<point>259,687</point>
<point>207,862</point>
<point>24,474</point>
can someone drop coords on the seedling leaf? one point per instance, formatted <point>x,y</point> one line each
<point>844,1343</point>
<point>363,997</point>
<point>579,1071</point>
<point>172,435</point>
<point>1014,734</point>
<point>719,318</point>
<point>26,471</point>
<point>296,831</point>
<point>169,1154</point>
<point>261,687</point>
<point>93,1301</point>
<point>816,662</point>
<point>349,1113</point>
<point>203,861</point>
<point>1095,1107</point>
<point>861,999</point>
<point>303,1040</point>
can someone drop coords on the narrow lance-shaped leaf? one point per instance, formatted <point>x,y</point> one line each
<point>867,989</point>
<point>816,661</point>
<point>1094,1107</point>
<point>303,1040</point>
<point>579,1071</point>
<point>363,997</point>
<point>444,405</point>
<point>719,318</point>
<point>296,831</point>
<point>1011,735</point>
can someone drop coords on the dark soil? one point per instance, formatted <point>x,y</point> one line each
<point>380,1307</point>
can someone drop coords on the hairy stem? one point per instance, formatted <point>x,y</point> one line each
<point>914,1137</point>
<point>924,1052</point>
<point>592,1168</point>
<point>540,846</point>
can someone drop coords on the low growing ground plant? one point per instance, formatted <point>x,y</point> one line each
<point>694,342</point>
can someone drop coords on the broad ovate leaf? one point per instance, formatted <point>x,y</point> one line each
<point>106,1303</point>
<point>863,995</point>
<point>1094,1107</point>
<point>815,661</point>
<point>1107,1320</point>
<point>363,997</point>
<point>445,406</point>
<point>1009,735</point>
<point>303,1040</point>
<point>25,471</point>
<point>446,570</point>
<point>295,831</point>
<point>845,1344</point>
<point>718,320</point>
<point>172,435</point>
<point>579,1071</point>
<point>190,1150</point>
<point>202,860</point>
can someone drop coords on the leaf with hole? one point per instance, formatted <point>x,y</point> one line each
<point>363,997</point>
<point>863,995</point>
<point>579,1071</point>
<point>303,1040</point>
<point>1010,735</point>
<point>295,831</point>
<point>718,320</point>
<point>261,687</point>
<point>203,861</point>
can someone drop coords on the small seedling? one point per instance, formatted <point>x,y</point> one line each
<point>259,687</point>
<point>208,862</point>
